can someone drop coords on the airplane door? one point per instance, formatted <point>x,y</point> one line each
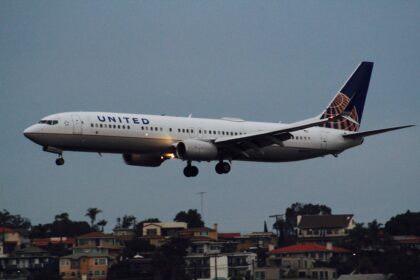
<point>324,140</point>
<point>77,124</point>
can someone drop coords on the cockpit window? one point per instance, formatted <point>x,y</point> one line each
<point>49,122</point>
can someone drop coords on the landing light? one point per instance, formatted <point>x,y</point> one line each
<point>168,156</point>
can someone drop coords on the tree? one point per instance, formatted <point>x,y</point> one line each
<point>128,221</point>
<point>92,213</point>
<point>404,224</point>
<point>61,226</point>
<point>102,224</point>
<point>14,221</point>
<point>192,218</point>
<point>168,261</point>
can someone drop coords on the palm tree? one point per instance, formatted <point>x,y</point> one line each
<point>102,224</point>
<point>91,213</point>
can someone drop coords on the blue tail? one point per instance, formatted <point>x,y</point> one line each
<point>350,100</point>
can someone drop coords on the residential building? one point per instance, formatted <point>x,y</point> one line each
<point>12,239</point>
<point>324,228</point>
<point>89,266</point>
<point>93,254</point>
<point>200,233</point>
<point>168,229</point>
<point>267,273</point>
<point>66,242</point>
<point>26,262</point>
<point>307,260</point>
<point>255,240</point>
<point>98,242</point>
<point>219,266</point>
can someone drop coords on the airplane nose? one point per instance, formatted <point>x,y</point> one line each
<point>29,132</point>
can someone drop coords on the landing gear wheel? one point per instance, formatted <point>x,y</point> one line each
<point>59,161</point>
<point>190,171</point>
<point>222,168</point>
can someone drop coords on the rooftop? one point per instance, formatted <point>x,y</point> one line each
<point>324,221</point>
<point>308,247</point>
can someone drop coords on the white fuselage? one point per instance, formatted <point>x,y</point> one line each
<point>152,134</point>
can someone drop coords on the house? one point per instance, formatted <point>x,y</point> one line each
<point>255,240</point>
<point>324,228</point>
<point>200,233</point>
<point>66,242</point>
<point>11,240</point>
<point>93,253</point>
<point>88,265</point>
<point>219,266</point>
<point>29,261</point>
<point>307,260</point>
<point>267,273</point>
<point>168,229</point>
<point>98,242</point>
<point>158,233</point>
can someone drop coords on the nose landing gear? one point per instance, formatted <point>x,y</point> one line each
<point>222,167</point>
<point>59,161</point>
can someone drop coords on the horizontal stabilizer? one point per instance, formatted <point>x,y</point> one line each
<point>373,132</point>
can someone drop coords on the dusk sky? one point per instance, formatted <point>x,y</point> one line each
<point>256,60</point>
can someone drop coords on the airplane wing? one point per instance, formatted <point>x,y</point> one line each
<point>259,140</point>
<point>373,132</point>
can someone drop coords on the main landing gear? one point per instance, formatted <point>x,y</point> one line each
<point>190,170</point>
<point>222,167</point>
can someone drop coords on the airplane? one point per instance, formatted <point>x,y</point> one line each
<point>149,140</point>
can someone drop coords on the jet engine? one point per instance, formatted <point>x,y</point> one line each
<point>196,150</point>
<point>151,160</point>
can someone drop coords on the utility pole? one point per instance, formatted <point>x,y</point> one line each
<point>215,266</point>
<point>201,198</point>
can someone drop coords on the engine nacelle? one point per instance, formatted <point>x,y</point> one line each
<point>151,160</point>
<point>196,150</point>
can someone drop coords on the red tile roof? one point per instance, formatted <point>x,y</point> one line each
<point>96,234</point>
<point>308,247</point>
<point>6,229</point>
<point>45,241</point>
<point>229,235</point>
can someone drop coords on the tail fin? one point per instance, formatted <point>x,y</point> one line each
<point>350,100</point>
